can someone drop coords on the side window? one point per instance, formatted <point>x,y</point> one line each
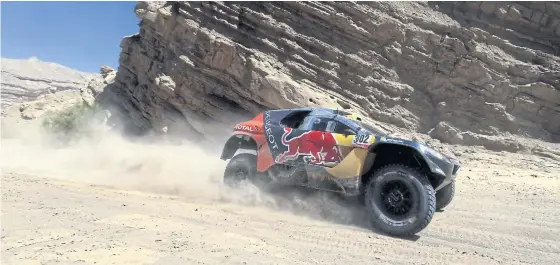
<point>342,128</point>
<point>320,124</point>
<point>314,123</point>
<point>295,119</point>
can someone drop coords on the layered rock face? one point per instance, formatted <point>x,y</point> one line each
<point>27,80</point>
<point>462,72</point>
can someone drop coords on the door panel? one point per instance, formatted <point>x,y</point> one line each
<point>344,143</point>
<point>351,166</point>
<point>351,144</point>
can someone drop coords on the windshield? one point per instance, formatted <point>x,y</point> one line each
<point>370,128</point>
<point>359,125</point>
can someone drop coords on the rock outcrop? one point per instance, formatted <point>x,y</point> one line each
<point>27,80</point>
<point>97,84</point>
<point>25,116</point>
<point>463,72</point>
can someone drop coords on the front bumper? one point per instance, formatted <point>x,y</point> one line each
<point>444,167</point>
<point>450,170</point>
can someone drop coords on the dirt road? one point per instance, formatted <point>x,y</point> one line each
<point>506,212</point>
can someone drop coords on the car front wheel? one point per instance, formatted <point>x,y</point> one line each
<point>400,200</point>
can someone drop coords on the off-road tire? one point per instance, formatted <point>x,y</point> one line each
<point>242,162</point>
<point>445,196</point>
<point>421,192</point>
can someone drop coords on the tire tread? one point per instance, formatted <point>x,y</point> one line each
<point>447,194</point>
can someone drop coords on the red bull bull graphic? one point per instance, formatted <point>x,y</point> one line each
<point>314,147</point>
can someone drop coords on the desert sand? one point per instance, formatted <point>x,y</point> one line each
<point>111,201</point>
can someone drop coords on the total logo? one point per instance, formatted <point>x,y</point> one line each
<point>245,128</point>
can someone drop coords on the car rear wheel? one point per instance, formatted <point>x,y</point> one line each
<point>239,169</point>
<point>400,200</point>
<point>445,196</point>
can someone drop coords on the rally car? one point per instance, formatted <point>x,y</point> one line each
<point>400,182</point>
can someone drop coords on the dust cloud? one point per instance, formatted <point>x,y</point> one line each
<point>176,169</point>
<point>187,170</point>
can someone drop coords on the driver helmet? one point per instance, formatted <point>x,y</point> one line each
<point>353,117</point>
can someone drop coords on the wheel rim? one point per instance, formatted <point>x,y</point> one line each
<point>240,174</point>
<point>397,199</point>
<point>236,176</point>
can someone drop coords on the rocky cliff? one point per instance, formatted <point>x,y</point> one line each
<point>463,72</point>
<point>27,80</point>
<point>32,88</point>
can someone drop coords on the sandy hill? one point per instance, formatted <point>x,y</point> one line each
<point>26,80</point>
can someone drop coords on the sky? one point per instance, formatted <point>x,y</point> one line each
<point>79,35</point>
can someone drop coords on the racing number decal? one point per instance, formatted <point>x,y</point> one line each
<point>361,140</point>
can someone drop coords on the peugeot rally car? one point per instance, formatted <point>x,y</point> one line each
<point>401,182</point>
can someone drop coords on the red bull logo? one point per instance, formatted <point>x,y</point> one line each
<point>317,148</point>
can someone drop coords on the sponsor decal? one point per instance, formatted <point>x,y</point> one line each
<point>242,127</point>
<point>361,140</point>
<point>317,148</point>
<point>391,140</point>
<point>268,131</point>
